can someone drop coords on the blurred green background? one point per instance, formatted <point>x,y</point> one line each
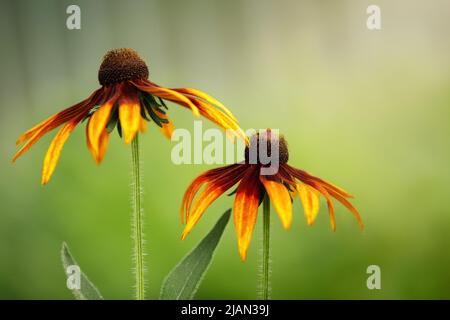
<point>367,110</point>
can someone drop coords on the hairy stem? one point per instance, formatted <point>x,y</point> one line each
<point>137,221</point>
<point>265,261</point>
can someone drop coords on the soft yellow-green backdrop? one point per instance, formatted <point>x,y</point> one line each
<point>367,110</point>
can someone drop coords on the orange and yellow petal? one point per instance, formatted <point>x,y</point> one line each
<point>166,128</point>
<point>234,170</point>
<point>222,120</point>
<point>207,98</point>
<point>167,94</point>
<point>54,151</point>
<point>212,191</point>
<point>245,210</point>
<point>103,145</point>
<point>32,140</point>
<point>328,190</point>
<point>329,200</point>
<point>189,195</point>
<point>51,122</point>
<point>130,118</point>
<point>32,135</point>
<point>310,201</point>
<point>280,198</point>
<point>329,186</point>
<point>142,125</point>
<point>349,206</point>
<point>305,176</point>
<point>200,103</point>
<point>208,196</point>
<point>96,132</point>
<point>215,187</point>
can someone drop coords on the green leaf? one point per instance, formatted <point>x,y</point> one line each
<point>86,290</point>
<point>183,281</point>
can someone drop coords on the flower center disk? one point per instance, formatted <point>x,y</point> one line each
<point>271,141</point>
<point>121,65</point>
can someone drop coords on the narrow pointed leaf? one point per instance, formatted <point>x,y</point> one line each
<point>82,289</point>
<point>183,281</point>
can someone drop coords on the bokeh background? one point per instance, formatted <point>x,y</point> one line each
<point>367,110</point>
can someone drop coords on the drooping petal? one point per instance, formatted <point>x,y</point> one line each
<point>129,116</point>
<point>279,196</point>
<point>166,128</point>
<point>88,141</point>
<point>349,206</point>
<point>328,190</point>
<point>95,130</point>
<point>54,151</point>
<point>165,93</point>
<point>142,125</point>
<point>32,135</point>
<point>197,183</point>
<point>245,209</point>
<point>199,103</point>
<point>330,204</point>
<point>190,193</point>
<point>287,177</point>
<point>305,176</point>
<point>51,122</point>
<point>214,189</point>
<point>329,186</point>
<point>221,119</point>
<point>62,116</point>
<point>207,98</point>
<point>310,201</point>
<point>102,145</point>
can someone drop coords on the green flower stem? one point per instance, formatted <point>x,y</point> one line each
<point>137,221</point>
<point>265,261</point>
